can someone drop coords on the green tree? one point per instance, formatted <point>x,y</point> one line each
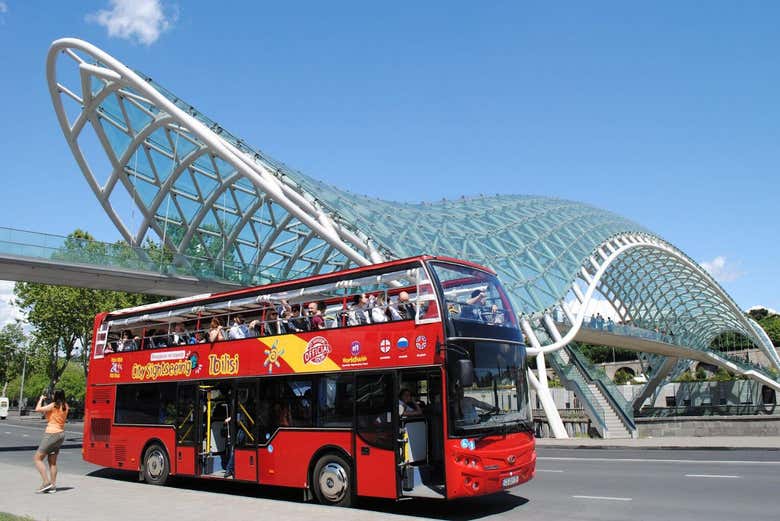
<point>771,325</point>
<point>622,377</point>
<point>722,375</point>
<point>12,346</point>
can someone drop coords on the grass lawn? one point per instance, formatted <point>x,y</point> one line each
<point>11,517</point>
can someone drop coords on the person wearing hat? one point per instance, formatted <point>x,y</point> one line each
<point>472,309</point>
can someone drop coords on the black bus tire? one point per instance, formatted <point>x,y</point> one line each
<point>332,481</point>
<point>156,464</point>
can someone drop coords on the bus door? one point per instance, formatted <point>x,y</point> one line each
<point>376,435</point>
<point>421,451</point>
<point>187,419</point>
<point>213,433</point>
<point>244,428</point>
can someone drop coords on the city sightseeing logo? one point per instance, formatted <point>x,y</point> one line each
<point>317,350</point>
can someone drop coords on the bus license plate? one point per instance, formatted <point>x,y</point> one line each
<point>511,480</point>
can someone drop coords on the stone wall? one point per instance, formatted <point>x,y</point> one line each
<point>709,426</point>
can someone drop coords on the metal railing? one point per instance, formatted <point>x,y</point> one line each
<point>57,248</point>
<point>597,376</point>
<point>594,323</point>
<point>575,382</point>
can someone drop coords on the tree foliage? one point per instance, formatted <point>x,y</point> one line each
<point>12,346</point>
<point>604,354</point>
<point>622,377</point>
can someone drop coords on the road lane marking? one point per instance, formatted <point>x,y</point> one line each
<point>641,460</point>
<point>8,432</point>
<point>604,498</point>
<point>711,476</point>
<point>547,470</point>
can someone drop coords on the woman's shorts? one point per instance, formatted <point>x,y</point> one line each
<point>51,442</point>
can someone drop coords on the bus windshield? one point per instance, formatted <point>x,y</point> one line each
<point>483,329</point>
<point>474,298</point>
<point>498,399</point>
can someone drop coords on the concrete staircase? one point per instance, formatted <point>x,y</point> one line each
<point>615,428</point>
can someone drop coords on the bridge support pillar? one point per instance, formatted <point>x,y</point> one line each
<point>540,386</point>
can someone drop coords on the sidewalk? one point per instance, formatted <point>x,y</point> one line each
<point>86,498</point>
<point>712,442</point>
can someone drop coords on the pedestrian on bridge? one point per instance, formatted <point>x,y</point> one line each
<point>56,414</point>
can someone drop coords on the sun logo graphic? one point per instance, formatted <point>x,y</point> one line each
<point>272,356</point>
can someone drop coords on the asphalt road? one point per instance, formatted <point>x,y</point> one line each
<point>582,484</point>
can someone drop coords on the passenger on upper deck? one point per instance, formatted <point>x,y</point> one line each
<point>273,326</point>
<point>359,312</point>
<point>315,316</point>
<point>180,336</point>
<point>405,306</point>
<point>216,331</point>
<point>472,309</point>
<point>126,343</point>
<point>296,322</point>
<point>238,330</point>
<point>379,310</point>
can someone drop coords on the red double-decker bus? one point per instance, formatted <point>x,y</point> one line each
<point>402,379</point>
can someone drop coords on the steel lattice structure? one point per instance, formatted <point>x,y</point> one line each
<point>205,193</point>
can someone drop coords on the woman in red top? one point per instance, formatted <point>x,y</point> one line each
<point>56,414</point>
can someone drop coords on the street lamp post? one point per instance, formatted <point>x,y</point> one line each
<point>21,387</point>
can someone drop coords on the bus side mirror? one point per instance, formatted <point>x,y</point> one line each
<point>465,373</point>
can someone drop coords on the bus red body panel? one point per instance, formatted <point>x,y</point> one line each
<point>285,460</point>
<point>185,461</point>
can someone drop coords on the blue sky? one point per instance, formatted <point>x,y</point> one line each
<point>665,112</point>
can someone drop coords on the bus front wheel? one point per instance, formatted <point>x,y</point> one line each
<point>156,465</point>
<point>332,481</point>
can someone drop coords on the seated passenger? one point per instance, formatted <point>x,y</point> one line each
<point>407,406</point>
<point>315,317</point>
<point>273,326</point>
<point>283,415</point>
<point>359,313</point>
<point>405,306</point>
<point>216,331</point>
<point>238,330</point>
<point>472,309</point>
<point>180,336</point>
<point>296,322</point>
<point>379,309</point>
<point>155,340</point>
<point>126,342</point>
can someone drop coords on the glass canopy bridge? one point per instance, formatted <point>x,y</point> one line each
<point>163,171</point>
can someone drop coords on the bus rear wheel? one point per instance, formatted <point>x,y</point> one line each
<point>332,481</point>
<point>156,465</point>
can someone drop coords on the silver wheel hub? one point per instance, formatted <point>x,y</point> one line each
<point>333,482</point>
<point>155,464</point>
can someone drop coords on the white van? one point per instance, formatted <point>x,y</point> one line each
<point>3,407</point>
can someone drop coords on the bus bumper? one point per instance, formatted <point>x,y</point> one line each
<point>491,470</point>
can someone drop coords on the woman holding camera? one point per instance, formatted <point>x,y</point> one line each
<point>56,414</point>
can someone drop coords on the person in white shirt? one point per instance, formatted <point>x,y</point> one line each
<point>238,330</point>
